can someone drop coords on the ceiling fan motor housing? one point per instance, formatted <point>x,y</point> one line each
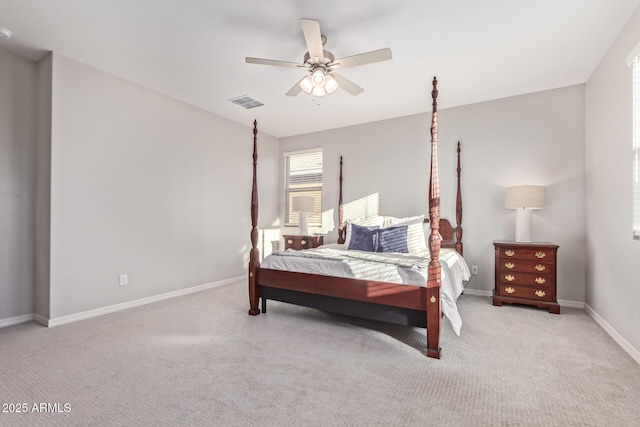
<point>328,58</point>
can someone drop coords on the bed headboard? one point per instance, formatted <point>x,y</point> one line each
<point>448,234</point>
<point>451,236</point>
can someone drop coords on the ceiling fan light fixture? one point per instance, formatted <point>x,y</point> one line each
<point>318,77</point>
<point>330,84</point>
<point>320,63</point>
<point>306,84</point>
<point>318,91</point>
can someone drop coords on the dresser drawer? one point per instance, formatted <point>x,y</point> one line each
<point>516,278</point>
<point>298,242</point>
<point>533,267</point>
<point>509,253</point>
<point>539,293</point>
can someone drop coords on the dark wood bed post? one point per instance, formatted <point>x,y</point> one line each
<point>458,209</point>
<point>254,255</point>
<point>341,230</point>
<point>433,283</point>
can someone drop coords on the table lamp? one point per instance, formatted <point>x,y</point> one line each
<point>303,204</point>
<point>524,199</point>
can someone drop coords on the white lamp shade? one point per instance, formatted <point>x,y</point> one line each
<point>524,196</point>
<point>306,84</point>
<point>318,78</point>
<point>303,204</point>
<point>331,84</point>
<point>318,91</point>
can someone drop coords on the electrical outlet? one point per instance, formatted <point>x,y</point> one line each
<point>474,270</point>
<point>124,279</point>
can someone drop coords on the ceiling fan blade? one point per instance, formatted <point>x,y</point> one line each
<point>363,58</point>
<point>296,89</point>
<point>347,84</point>
<point>313,38</point>
<point>250,60</point>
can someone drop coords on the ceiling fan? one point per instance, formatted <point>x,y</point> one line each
<point>320,64</point>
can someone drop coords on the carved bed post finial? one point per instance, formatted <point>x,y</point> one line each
<point>433,283</point>
<point>459,247</point>
<point>341,230</point>
<point>434,111</point>
<point>254,254</point>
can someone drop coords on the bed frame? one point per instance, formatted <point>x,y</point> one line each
<point>388,302</point>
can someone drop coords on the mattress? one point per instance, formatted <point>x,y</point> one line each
<point>411,269</point>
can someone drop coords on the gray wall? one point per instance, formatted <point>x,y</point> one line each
<point>101,177</point>
<point>613,278</point>
<point>18,136</point>
<point>529,139</point>
<point>145,185</point>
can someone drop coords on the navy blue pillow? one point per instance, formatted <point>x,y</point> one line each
<point>363,238</point>
<point>393,239</point>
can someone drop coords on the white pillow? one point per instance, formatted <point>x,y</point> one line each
<point>415,232</point>
<point>374,220</point>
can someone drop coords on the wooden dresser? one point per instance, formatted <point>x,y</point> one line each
<point>525,273</point>
<point>298,242</point>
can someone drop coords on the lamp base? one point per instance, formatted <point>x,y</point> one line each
<point>304,223</point>
<point>523,225</point>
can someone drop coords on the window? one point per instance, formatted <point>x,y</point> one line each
<point>635,62</point>
<point>303,177</point>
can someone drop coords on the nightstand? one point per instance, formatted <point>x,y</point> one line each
<point>525,273</point>
<point>297,242</point>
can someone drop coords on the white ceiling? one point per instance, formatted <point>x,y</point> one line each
<point>194,50</point>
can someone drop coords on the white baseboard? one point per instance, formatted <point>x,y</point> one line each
<point>478,292</point>
<point>571,304</point>
<point>40,319</point>
<point>485,293</point>
<point>626,345</point>
<point>16,320</point>
<point>63,320</point>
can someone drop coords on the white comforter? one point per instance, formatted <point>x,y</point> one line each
<point>334,260</point>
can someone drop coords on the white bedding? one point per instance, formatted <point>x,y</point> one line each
<point>335,260</point>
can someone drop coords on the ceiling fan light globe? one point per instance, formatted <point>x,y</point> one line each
<point>318,78</point>
<point>318,91</point>
<point>306,84</point>
<point>330,84</point>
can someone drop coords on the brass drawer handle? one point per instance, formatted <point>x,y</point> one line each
<point>540,280</point>
<point>289,241</point>
<point>509,278</point>
<point>509,265</point>
<point>540,293</point>
<point>509,290</point>
<point>540,267</point>
<point>304,242</point>
<point>509,252</point>
<point>541,255</point>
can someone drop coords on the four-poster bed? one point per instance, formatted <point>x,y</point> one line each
<point>391,302</point>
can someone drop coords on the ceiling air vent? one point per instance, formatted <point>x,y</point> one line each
<point>246,101</point>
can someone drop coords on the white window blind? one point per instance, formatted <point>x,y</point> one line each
<point>636,147</point>
<point>303,177</point>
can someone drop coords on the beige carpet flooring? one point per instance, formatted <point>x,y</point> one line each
<point>200,360</point>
